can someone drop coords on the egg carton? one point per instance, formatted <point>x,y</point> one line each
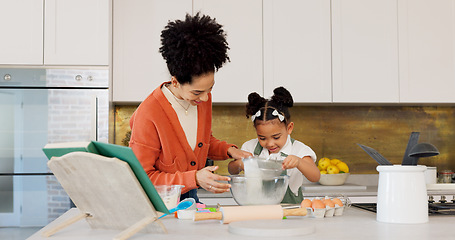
<point>329,211</point>
<point>325,212</point>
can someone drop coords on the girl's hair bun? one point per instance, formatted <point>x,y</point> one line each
<point>282,97</point>
<point>255,102</point>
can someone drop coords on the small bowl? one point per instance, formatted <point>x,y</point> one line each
<point>170,194</point>
<point>333,179</point>
<point>258,191</point>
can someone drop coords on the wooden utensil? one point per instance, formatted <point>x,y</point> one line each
<point>242,213</point>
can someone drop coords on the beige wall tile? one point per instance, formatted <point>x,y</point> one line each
<point>333,131</point>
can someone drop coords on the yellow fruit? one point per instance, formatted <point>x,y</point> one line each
<point>335,161</point>
<point>343,167</point>
<point>323,172</point>
<point>323,163</point>
<point>332,169</point>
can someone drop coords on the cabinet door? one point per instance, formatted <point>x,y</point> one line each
<point>21,25</point>
<point>76,32</point>
<point>242,21</point>
<point>297,51</point>
<point>365,51</point>
<point>427,50</point>
<point>138,67</point>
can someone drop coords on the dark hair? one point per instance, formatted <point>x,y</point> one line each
<point>280,101</point>
<point>193,47</point>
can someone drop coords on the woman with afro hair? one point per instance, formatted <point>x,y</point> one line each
<point>171,129</point>
<point>273,124</point>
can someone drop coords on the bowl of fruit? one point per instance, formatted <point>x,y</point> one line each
<point>334,172</point>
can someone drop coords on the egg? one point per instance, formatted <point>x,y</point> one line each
<point>306,203</point>
<point>337,201</point>
<point>317,203</point>
<point>329,202</point>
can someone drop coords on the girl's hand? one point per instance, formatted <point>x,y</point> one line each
<point>235,166</point>
<point>206,179</point>
<point>236,153</point>
<point>305,165</point>
<point>291,161</point>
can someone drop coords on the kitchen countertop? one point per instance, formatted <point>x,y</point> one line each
<point>353,224</point>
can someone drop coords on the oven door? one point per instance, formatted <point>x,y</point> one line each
<point>31,118</point>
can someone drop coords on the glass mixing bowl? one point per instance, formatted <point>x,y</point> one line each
<point>257,190</point>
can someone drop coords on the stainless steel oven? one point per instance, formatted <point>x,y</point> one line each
<point>40,106</point>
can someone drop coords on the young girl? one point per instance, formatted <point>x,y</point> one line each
<point>272,121</point>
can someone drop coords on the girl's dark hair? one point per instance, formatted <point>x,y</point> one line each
<point>280,101</point>
<point>193,47</point>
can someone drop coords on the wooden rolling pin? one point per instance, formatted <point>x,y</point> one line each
<point>243,213</point>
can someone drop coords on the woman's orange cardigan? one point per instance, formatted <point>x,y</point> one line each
<point>160,144</point>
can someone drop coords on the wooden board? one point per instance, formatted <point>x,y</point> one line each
<point>272,228</point>
<point>106,188</point>
<point>112,151</point>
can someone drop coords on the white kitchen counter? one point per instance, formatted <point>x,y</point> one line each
<point>354,224</point>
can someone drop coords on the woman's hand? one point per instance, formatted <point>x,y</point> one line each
<point>206,179</point>
<point>236,153</point>
<point>291,161</point>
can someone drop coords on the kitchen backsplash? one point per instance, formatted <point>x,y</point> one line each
<point>333,131</point>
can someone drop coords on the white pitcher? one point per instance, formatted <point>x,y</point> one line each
<point>402,194</point>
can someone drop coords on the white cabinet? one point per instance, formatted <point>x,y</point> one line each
<point>21,25</point>
<point>76,32</point>
<point>297,51</point>
<point>323,51</point>
<point>55,32</point>
<point>365,51</point>
<point>427,50</point>
<point>138,67</point>
<point>242,22</point>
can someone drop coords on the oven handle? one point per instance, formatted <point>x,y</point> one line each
<point>94,118</point>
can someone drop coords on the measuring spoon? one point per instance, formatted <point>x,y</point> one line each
<point>181,206</point>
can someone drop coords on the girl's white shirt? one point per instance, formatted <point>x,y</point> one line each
<point>296,148</point>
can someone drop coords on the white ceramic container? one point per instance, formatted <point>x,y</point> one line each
<point>402,194</point>
<point>431,175</point>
